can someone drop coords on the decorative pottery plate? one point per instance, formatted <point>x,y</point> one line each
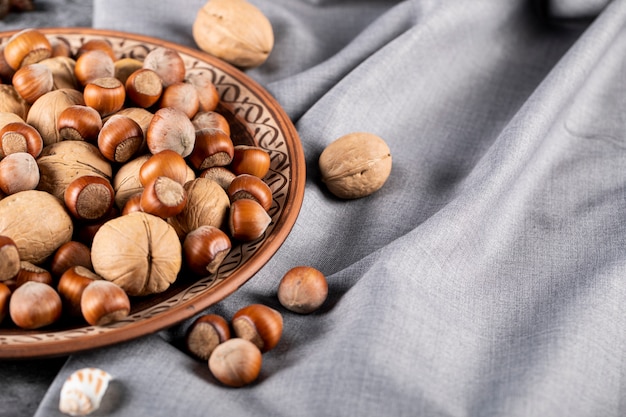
<point>256,119</point>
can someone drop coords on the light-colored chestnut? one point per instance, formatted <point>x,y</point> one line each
<point>70,254</point>
<point>221,175</point>
<point>92,65</point>
<point>71,285</point>
<point>208,95</point>
<point>104,302</point>
<point>211,120</point>
<point>170,128</point>
<point>167,63</point>
<point>303,289</point>
<point>144,87</point>
<point>247,220</point>
<point>79,123</point>
<point>182,96</point>
<point>163,197</point>
<point>260,324</point>
<point>5,295</point>
<point>236,362</point>
<point>205,333</point>
<point>30,272</point>
<point>107,95</point>
<point>120,138</point>
<point>166,163</point>
<point>97,44</point>
<point>252,160</point>
<point>252,187</point>
<point>126,66</point>
<point>18,212</point>
<point>20,137</point>
<point>63,162</point>
<point>140,252</point>
<point>9,259</point>
<point>33,81</point>
<point>44,112</point>
<point>34,305</point>
<point>212,147</point>
<point>26,47</point>
<point>207,204</point>
<point>89,197</point>
<point>205,248</point>
<point>18,172</point>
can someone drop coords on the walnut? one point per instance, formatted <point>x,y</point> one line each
<point>21,217</point>
<point>139,252</point>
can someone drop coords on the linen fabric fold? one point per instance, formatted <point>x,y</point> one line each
<point>486,277</point>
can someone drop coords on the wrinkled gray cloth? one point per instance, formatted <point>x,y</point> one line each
<point>486,277</point>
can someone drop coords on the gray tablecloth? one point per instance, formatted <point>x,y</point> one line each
<point>486,278</point>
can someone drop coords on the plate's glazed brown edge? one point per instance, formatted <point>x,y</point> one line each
<point>221,290</point>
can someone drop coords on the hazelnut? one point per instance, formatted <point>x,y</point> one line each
<point>20,137</point>
<point>92,65</point>
<point>247,220</point>
<point>355,165</point>
<point>144,87</point>
<point>26,47</point>
<point>68,255</point>
<point>303,289</point>
<point>251,160</point>
<point>235,362</point>
<point>251,187</point>
<point>71,285</point>
<point>211,120</point>
<point>89,197</point>
<point>103,302</point>
<point>79,123</point>
<point>5,295</point>
<point>212,147</point>
<point>167,63</point>
<point>18,172</point>
<point>34,305</point>
<point>205,248</point>
<point>33,81</point>
<point>29,272</point>
<point>45,111</point>
<point>107,95</point>
<point>235,31</point>
<point>182,96</point>
<point>260,324</point>
<point>124,67</point>
<point>120,138</point>
<point>166,163</point>
<point>221,175</point>
<point>96,44</point>
<point>205,333</point>
<point>170,128</point>
<point>163,197</point>
<point>207,92</point>
<point>126,182</point>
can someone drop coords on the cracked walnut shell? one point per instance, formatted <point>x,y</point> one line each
<point>139,252</point>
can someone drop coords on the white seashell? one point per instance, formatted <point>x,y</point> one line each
<point>83,390</point>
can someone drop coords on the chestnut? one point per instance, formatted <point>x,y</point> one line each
<point>303,289</point>
<point>103,302</point>
<point>236,362</point>
<point>79,122</point>
<point>92,65</point>
<point>167,63</point>
<point>205,248</point>
<point>120,138</point>
<point>70,254</point>
<point>211,120</point>
<point>105,94</point>
<point>5,295</point>
<point>212,147</point>
<point>251,160</point>
<point>166,163</point>
<point>205,333</point>
<point>18,172</point>
<point>33,81</point>
<point>163,197</point>
<point>260,324</point>
<point>31,272</point>
<point>20,137</point>
<point>182,96</point>
<point>144,87</point>
<point>247,220</point>
<point>9,259</point>
<point>252,187</point>
<point>26,47</point>
<point>71,285</point>
<point>34,305</point>
<point>221,175</point>
<point>171,129</point>
<point>89,197</point>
